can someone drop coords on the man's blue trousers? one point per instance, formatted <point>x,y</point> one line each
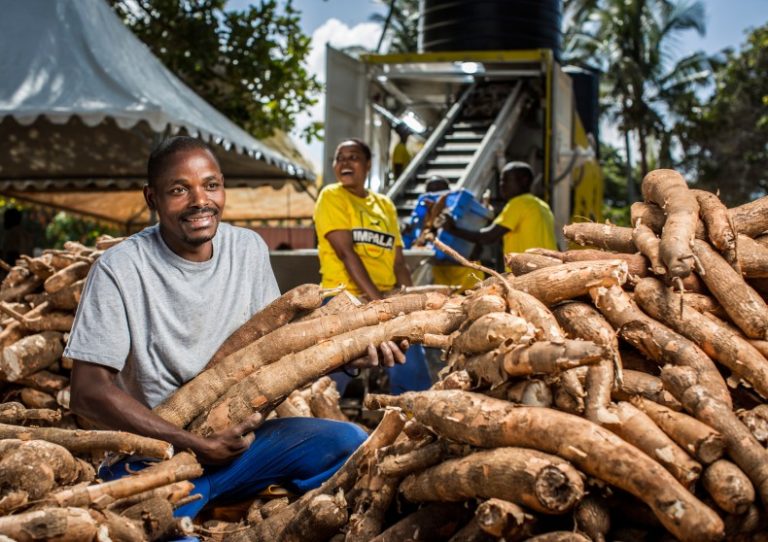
<point>413,375</point>
<point>296,453</point>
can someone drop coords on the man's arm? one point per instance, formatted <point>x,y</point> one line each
<point>341,241</point>
<point>486,236</point>
<point>95,396</point>
<point>389,353</point>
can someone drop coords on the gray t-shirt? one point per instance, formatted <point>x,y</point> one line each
<point>158,318</point>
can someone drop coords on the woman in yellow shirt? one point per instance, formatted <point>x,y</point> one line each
<point>359,243</point>
<point>360,248</point>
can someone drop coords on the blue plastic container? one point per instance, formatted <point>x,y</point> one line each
<point>466,211</point>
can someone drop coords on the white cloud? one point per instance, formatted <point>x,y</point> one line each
<point>339,35</point>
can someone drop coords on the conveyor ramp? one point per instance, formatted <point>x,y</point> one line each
<point>462,148</point>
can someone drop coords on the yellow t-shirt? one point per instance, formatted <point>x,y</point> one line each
<point>456,275</point>
<point>375,234</point>
<point>530,224</point>
<point>400,156</point>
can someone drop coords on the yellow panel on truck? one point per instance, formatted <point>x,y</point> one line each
<point>587,182</point>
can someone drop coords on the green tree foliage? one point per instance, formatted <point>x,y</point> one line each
<point>644,81</point>
<point>249,64</point>
<point>65,227</point>
<point>726,138</point>
<point>43,227</point>
<point>616,202</point>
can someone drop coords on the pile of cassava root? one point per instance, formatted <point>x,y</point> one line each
<point>48,456</point>
<point>611,393</point>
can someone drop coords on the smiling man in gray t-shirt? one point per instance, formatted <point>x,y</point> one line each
<point>154,310</point>
<point>159,318</point>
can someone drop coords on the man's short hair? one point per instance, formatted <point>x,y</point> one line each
<point>437,183</point>
<point>158,159</point>
<point>518,167</point>
<point>360,143</point>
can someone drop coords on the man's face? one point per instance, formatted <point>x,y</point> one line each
<point>513,184</point>
<point>189,199</point>
<point>350,165</point>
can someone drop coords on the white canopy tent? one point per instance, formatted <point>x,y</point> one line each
<point>82,102</point>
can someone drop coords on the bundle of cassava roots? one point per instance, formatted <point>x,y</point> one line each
<point>608,393</point>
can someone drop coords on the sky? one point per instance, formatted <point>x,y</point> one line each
<point>347,22</point>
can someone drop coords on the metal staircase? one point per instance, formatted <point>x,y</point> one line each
<point>462,148</point>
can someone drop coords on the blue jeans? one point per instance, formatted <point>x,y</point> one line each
<point>413,375</point>
<point>296,453</point>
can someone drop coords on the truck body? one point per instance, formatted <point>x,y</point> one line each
<point>469,112</point>
<point>472,111</point>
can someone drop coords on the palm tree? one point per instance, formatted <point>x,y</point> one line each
<point>401,24</point>
<point>578,28</point>
<point>632,42</point>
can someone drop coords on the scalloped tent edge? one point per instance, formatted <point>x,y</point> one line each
<point>74,64</point>
<point>288,205</point>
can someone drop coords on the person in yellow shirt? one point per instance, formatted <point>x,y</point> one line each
<point>360,248</point>
<point>400,155</point>
<point>447,272</point>
<point>525,221</point>
<point>359,243</point>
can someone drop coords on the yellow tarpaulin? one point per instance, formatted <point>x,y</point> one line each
<point>126,209</point>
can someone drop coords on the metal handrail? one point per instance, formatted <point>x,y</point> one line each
<point>501,129</point>
<point>429,146</point>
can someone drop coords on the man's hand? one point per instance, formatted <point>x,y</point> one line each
<point>388,354</point>
<point>222,447</point>
<point>446,222</point>
<point>95,396</point>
